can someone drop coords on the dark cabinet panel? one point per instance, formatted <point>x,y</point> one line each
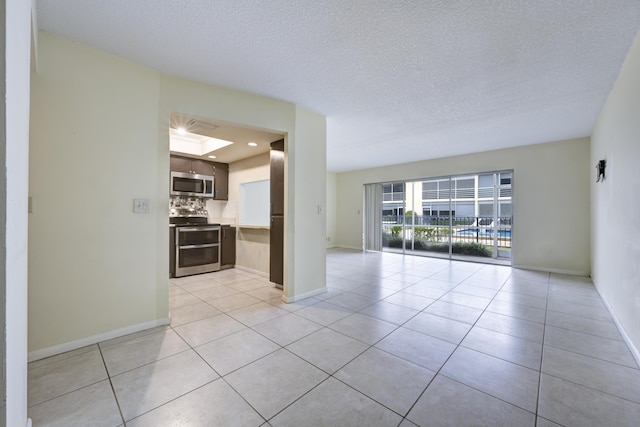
<point>180,164</point>
<point>276,250</point>
<point>202,167</point>
<point>277,177</point>
<point>221,181</point>
<point>276,258</point>
<point>228,247</point>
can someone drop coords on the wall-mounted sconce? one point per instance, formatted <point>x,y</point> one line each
<point>600,167</point>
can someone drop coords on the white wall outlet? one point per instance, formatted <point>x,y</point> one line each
<point>141,205</point>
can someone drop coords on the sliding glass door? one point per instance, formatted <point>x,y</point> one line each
<point>457,217</point>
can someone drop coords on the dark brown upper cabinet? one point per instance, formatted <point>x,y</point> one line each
<point>276,231</point>
<point>277,177</point>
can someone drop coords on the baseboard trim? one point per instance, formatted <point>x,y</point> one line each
<point>252,271</point>
<point>634,350</point>
<point>94,339</point>
<point>309,294</point>
<point>552,270</point>
<point>348,247</point>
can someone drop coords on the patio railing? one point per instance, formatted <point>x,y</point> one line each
<point>433,233</point>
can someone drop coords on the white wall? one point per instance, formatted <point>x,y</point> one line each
<point>15,148</point>
<point>332,209</point>
<point>551,199</point>
<point>615,203</point>
<point>100,137</point>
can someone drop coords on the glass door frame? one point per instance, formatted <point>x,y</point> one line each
<point>494,229</point>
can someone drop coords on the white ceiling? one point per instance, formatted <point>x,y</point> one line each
<point>398,80</point>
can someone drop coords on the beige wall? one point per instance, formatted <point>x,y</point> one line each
<point>93,265</point>
<point>252,245</point>
<point>305,198</point>
<point>550,203</point>
<point>100,137</point>
<point>615,203</point>
<point>332,210</point>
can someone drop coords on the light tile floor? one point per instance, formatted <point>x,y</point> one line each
<point>396,341</point>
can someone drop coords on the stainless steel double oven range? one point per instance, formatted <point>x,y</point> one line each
<point>195,246</point>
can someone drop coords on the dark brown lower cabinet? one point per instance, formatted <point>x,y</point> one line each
<point>228,241</point>
<point>276,259</point>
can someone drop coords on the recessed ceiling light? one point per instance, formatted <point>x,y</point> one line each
<point>212,157</point>
<point>181,131</point>
<point>252,144</point>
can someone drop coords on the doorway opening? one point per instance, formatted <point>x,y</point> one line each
<point>232,158</point>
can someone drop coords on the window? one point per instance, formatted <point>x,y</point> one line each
<point>452,217</point>
<point>464,188</point>
<point>393,192</point>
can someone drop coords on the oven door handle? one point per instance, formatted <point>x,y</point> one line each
<point>190,229</point>
<point>210,245</point>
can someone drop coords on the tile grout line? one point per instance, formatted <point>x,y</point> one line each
<point>456,349</point>
<point>220,377</point>
<point>113,390</point>
<point>544,337</point>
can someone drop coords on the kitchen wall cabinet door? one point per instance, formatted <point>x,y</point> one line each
<point>221,181</point>
<point>188,165</point>
<point>276,251</point>
<point>277,177</point>
<point>276,247</point>
<point>228,257</point>
<point>180,164</point>
<point>202,167</point>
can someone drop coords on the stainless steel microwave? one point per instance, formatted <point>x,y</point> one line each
<point>190,184</point>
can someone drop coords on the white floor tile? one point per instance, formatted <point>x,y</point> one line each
<point>423,350</point>
<point>236,350</point>
<point>46,381</point>
<point>505,380</point>
<point>215,404</point>
<point>450,403</point>
<point>275,381</point>
<point>389,380</point>
<point>145,388</point>
<point>139,351</point>
<point>333,403</point>
<point>209,329</point>
<point>507,347</point>
<point>590,345</point>
<point>364,328</point>
<point>604,376</point>
<point>286,329</point>
<point>94,405</point>
<point>327,349</point>
<point>570,404</point>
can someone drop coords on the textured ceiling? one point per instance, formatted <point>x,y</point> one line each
<point>398,80</point>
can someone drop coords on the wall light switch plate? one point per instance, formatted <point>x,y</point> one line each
<point>141,205</point>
